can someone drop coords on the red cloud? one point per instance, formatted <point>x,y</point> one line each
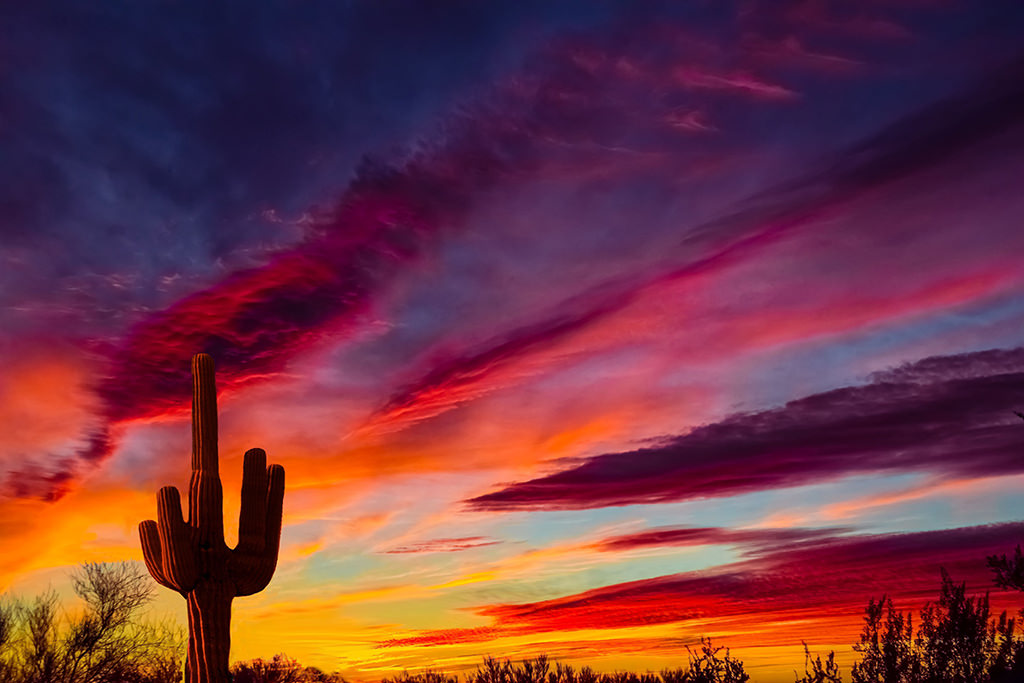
<point>820,578</point>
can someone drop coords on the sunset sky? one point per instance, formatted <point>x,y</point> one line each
<point>580,328</point>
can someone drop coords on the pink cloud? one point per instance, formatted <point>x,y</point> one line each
<point>444,545</point>
<point>735,81</point>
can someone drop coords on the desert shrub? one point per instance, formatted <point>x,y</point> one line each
<point>280,669</point>
<point>537,670</point>
<point>706,666</point>
<point>565,673</point>
<point>819,672</point>
<point>106,641</point>
<point>674,675</point>
<point>492,671</point>
<point>428,676</point>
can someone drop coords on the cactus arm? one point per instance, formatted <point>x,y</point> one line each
<point>275,509</point>
<point>254,560</point>
<point>149,535</point>
<point>205,495</point>
<point>176,547</point>
<point>252,515</point>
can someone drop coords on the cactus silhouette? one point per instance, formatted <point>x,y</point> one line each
<point>191,556</point>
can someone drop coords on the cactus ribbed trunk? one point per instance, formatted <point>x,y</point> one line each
<point>209,617</point>
<point>190,556</point>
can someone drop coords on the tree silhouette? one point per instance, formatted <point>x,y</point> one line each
<point>1009,572</point>
<point>886,646</point>
<point>956,642</point>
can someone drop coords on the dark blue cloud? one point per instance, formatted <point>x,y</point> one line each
<point>149,149</point>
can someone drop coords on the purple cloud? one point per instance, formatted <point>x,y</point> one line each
<point>949,416</point>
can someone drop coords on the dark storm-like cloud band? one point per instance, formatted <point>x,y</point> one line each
<point>949,416</point>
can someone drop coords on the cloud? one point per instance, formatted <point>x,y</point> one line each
<point>50,478</point>
<point>791,51</point>
<point>819,577</point>
<point>48,414</point>
<point>950,416</point>
<point>752,540</point>
<point>914,145</point>
<point>740,81</point>
<point>391,215</point>
<point>546,114</point>
<point>552,111</point>
<point>451,636</point>
<point>572,100</point>
<point>444,545</point>
<point>454,380</point>
<point>33,482</point>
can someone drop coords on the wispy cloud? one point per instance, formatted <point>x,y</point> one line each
<point>909,147</point>
<point>750,540</point>
<point>444,545</point>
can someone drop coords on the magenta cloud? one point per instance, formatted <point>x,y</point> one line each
<point>922,141</point>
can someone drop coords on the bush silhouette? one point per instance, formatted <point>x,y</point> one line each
<point>106,641</point>
<point>705,666</point>
<point>280,669</point>
<point>827,672</point>
<point>708,667</point>
<point>428,676</point>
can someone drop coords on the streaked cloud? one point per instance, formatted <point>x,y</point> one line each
<point>773,586</point>
<point>943,415</point>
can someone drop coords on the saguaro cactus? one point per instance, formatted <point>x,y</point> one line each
<point>191,556</point>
